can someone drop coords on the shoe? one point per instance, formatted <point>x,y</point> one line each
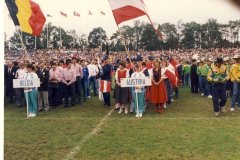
<point>33,115</point>
<point>40,110</point>
<point>216,114</point>
<point>140,115</point>
<point>137,115</point>
<point>222,109</point>
<point>156,110</point>
<point>88,97</point>
<point>126,110</point>
<point>172,100</point>
<point>120,111</point>
<point>232,109</point>
<point>209,97</point>
<point>165,106</point>
<point>30,115</point>
<point>202,94</point>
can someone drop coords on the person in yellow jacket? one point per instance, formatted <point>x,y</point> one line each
<point>218,76</point>
<point>235,76</point>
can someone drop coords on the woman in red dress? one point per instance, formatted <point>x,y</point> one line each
<point>158,90</point>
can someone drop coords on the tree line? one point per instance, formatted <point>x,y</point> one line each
<point>140,36</point>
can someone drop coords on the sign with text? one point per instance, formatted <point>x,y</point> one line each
<point>26,83</point>
<point>133,82</point>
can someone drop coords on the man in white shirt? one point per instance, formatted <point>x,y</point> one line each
<point>93,71</point>
<point>20,91</point>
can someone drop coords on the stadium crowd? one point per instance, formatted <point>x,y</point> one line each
<point>70,78</point>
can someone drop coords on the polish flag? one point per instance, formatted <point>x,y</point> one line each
<point>105,86</point>
<point>124,10</point>
<point>170,73</point>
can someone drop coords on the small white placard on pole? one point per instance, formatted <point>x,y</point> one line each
<point>133,82</point>
<point>26,83</point>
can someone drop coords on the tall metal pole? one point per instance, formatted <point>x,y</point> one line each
<point>47,35</point>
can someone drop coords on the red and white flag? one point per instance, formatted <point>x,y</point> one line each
<point>170,73</point>
<point>76,14</point>
<point>63,14</point>
<point>124,10</point>
<point>104,86</point>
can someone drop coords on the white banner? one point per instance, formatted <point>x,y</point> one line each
<point>133,82</point>
<point>26,83</point>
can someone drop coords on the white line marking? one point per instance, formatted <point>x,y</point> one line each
<point>94,131</point>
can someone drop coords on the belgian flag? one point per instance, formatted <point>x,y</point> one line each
<point>26,14</point>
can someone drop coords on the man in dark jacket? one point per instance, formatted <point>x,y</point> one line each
<point>194,77</point>
<point>43,75</point>
<point>106,75</point>
<point>10,72</point>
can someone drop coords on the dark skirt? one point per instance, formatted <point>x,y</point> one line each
<point>121,95</point>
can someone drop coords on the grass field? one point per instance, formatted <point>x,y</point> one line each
<point>187,130</point>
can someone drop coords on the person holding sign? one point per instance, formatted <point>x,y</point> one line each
<point>31,93</point>
<point>158,89</point>
<point>138,93</point>
<point>121,94</point>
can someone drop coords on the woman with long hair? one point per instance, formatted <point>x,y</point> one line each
<point>158,89</point>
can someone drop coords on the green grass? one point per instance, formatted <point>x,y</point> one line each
<point>187,130</point>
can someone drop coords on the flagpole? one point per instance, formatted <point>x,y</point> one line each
<point>60,37</point>
<point>21,39</point>
<point>35,42</point>
<point>47,35</point>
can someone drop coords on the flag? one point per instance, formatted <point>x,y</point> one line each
<point>48,15</point>
<point>76,14</point>
<point>102,13</point>
<point>105,86</point>
<point>171,74</point>
<point>26,14</point>
<point>124,10</point>
<point>89,12</point>
<point>63,14</point>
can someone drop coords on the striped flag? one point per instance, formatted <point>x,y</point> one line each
<point>90,13</point>
<point>26,14</point>
<point>171,74</point>
<point>104,86</point>
<point>63,14</point>
<point>102,13</point>
<point>124,10</point>
<point>76,14</point>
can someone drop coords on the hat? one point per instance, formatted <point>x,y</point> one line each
<point>236,56</point>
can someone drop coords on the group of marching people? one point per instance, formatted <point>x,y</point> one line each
<point>215,78</point>
<point>159,93</point>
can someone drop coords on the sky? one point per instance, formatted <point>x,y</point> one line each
<point>160,11</point>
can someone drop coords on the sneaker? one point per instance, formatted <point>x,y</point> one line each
<point>88,97</point>
<point>209,96</point>
<point>222,109</point>
<point>137,115</point>
<point>30,115</point>
<point>202,94</point>
<point>140,115</point>
<point>216,114</point>
<point>126,110</point>
<point>165,106</point>
<point>232,109</point>
<point>33,115</point>
<point>172,100</point>
<point>120,111</point>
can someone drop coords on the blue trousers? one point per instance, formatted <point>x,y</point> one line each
<point>31,98</point>
<point>219,96</point>
<point>139,98</point>
<point>203,85</point>
<point>106,97</point>
<point>236,94</point>
<point>78,89</point>
<point>186,79</point>
<point>85,88</point>
<point>93,83</point>
<point>53,93</point>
